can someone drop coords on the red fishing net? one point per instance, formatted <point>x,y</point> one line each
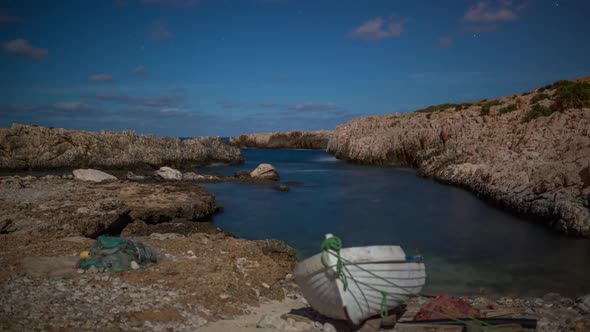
<point>444,307</point>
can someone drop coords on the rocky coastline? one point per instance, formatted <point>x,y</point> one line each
<point>313,140</point>
<point>25,147</point>
<point>208,279</point>
<point>213,281</point>
<point>535,164</point>
<point>207,274</point>
<point>529,152</point>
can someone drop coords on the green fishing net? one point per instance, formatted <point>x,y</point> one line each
<point>116,254</point>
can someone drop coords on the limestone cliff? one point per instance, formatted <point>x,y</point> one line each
<point>316,140</point>
<point>529,152</point>
<point>30,147</point>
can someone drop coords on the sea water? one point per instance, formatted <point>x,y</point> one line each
<point>470,245</point>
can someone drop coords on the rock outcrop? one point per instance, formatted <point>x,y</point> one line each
<point>167,173</point>
<point>316,140</point>
<point>527,152</point>
<point>38,205</point>
<point>33,147</point>
<point>93,175</point>
<point>265,171</point>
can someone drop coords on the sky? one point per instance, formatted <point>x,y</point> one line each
<point>214,67</point>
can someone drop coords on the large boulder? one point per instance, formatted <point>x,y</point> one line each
<point>265,171</point>
<point>93,175</point>
<point>168,173</point>
<point>583,304</point>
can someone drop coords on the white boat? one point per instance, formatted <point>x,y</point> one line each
<point>368,273</point>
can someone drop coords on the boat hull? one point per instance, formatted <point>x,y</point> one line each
<point>370,273</point>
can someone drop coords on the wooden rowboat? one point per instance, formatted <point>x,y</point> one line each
<point>372,279</point>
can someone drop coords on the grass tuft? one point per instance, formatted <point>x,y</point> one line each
<point>508,109</point>
<point>537,111</point>
<point>572,95</point>
<point>485,109</point>
<point>538,97</point>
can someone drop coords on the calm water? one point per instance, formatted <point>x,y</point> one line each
<point>469,245</point>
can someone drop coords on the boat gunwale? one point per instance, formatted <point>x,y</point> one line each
<point>384,262</point>
<point>369,262</point>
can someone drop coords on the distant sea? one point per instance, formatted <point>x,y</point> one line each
<point>225,139</point>
<point>470,246</point>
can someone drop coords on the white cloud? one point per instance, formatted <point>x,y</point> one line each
<point>70,106</point>
<point>378,28</point>
<point>21,47</point>
<point>160,31</point>
<point>139,71</point>
<point>445,41</point>
<point>313,107</point>
<point>484,12</point>
<point>100,78</point>
<point>172,110</point>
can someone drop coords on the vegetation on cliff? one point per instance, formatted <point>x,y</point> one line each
<point>315,140</point>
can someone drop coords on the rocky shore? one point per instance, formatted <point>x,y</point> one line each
<point>68,207</point>
<point>34,147</point>
<point>206,275</point>
<point>315,140</point>
<point>208,279</point>
<point>529,152</point>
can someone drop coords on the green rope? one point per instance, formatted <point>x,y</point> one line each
<point>335,244</point>
<point>384,311</point>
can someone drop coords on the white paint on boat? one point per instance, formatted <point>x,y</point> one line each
<point>390,272</point>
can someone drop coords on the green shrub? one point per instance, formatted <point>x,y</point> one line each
<point>485,109</point>
<point>508,109</point>
<point>463,106</point>
<point>560,83</point>
<point>436,108</point>
<point>537,111</point>
<point>538,97</point>
<point>572,95</point>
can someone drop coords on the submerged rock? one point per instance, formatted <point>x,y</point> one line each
<point>93,175</point>
<point>167,173</point>
<point>265,171</point>
<point>282,187</point>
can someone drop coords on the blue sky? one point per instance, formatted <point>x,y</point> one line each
<point>214,67</point>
